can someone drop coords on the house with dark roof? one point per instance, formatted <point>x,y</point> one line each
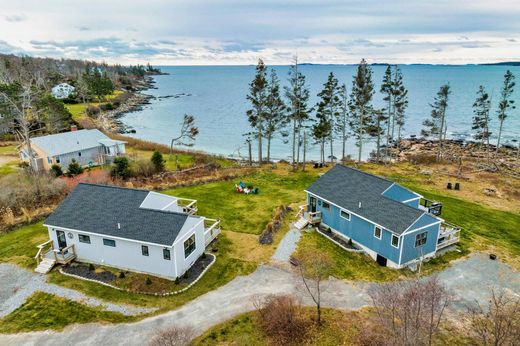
<point>394,225</point>
<point>87,147</point>
<point>131,229</point>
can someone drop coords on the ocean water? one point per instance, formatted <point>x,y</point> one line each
<point>216,97</point>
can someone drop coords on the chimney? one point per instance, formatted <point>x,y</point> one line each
<point>359,205</point>
<point>73,128</point>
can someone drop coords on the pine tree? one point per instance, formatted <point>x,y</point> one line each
<point>376,130</point>
<point>275,118</point>
<point>342,119</point>
<point>321,131</point>
<point>506,102</point>
<point>400,103</point>
<point>297,94</point>
<point>387,89</point>
<point>157,161</point>
<point>258,99</point>
<point>328,110</point>
<point>436,126</point>
<point>481,108</point>
<point>360,103</point>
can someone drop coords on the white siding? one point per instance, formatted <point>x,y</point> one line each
<point>89,155</point>
<point>127,254</point>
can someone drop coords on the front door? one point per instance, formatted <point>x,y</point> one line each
<point>312,202</point>
<point>62,240</point>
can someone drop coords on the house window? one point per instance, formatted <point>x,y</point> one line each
<point>58,159</point>
<point>79,153</point>
<point>395,240</point>
<point>166,254</point>
<point>84,238</point>
<point>319,202</point>
<point>49,160</point>
<point>420,239</point>
<point>109,242</point>
<point>189,246</point>
<point>144,250</point>
<point>377,232</point>
<point>344,215</point>
<point>326,205</point>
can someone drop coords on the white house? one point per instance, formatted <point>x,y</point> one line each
<point>130,229</point>
<point>87,147</point>
<point>62,91</point>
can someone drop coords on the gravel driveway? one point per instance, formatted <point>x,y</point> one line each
<point>18,284</point>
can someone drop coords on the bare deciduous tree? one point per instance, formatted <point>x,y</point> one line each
<point>173,336</point>
<point>188,132</point>
<point>497,324</point>
<point>410,312</point>
<point>315,268</point>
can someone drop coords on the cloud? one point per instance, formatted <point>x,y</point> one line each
<point>242,46</point>
<point>15,18</point>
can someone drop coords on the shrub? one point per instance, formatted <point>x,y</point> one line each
<point>281,319</point>
<point>142,168</point>
<point>121,168</point>
<point>91,267</point>
<point>74,168</point>
<point>93,111</point>
<point>173,336</point>
<point>157,161</point>
<point>56,170</point>
<point>107,106</point>
<point>177,280</point>
<point>186,275</point>
<point>148,281</point>
<point>121,275</point>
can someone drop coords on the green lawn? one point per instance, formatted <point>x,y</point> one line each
<point>44,311</point>
<point>248,213</point>
<point>20,246</point>
<point>8,150</point>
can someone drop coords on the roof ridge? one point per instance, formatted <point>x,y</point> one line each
<point>115,187</point>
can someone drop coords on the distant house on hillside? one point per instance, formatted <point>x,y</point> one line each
<point>394,225</point>
<point>130,229</point>
<point>87,147</point>
<point>62,91</point>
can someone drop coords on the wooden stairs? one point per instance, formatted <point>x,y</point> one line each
<point>301,223</point>
<point>45,266</point>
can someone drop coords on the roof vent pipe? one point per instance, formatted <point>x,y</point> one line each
<point>118,225</point>
<point>359,205</point>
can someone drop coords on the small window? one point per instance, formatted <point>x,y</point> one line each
<point>319,202</point>
<point>84,238</point>
<point>395,240</point>
<point>79,153</point>
<point>49,160</point>
<point>166,254</point>
<point>344,215</point>
<point>109,242</point>
<point>420,239</point>
<point>58,159</point>
<point>326,205</point>
<point>144,250</point>
<point>189,246</point>
<point>377,232</point>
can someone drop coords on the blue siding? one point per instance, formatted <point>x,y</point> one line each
<point>410,252</point>
<point>399,193</point>
<point>424,220</point>
<point>360,230</point>
<point>414,203</point>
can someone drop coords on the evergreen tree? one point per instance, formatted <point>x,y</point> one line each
<point>481,108</point>
<point>258,98</point>
<point>387,89</point>
<point>400,103</point>
<point>321,131</point>
<point>506,102</point>
<point>74,168</point>
<point>121,168</point>
<point>360,103</point>
<point>275,118</point>
<point>327,111</point>
<point>376,130</point>
<point>157,161</point>
<point>436,126</point>
<point>342,119</point>
<point>297,94</point>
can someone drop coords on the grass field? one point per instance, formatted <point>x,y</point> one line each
<point>44,311</point>
<point>77,109</point>
<point>8,150</point>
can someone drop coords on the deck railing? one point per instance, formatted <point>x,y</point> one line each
<point>41,250</point>
<point>449,234</point>
<point>313,217</point>
<point>432,207</point>
<point>47,250</point>
<point>189,206</point>
<point>211,230</point>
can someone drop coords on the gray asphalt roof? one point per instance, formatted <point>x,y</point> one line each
<point>68,142</point>
<point>99,208</point>
<point>346,187</point>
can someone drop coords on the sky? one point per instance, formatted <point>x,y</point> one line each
<point>234,32</point>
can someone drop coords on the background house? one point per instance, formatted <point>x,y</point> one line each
<point>130,229</point>
<point>87,147</point>
<point>62,91</point>
<point>383,218</point>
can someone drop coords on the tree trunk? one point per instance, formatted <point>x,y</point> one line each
<point>250,153</point>
<point>360,144</point>
<point>260,147</point>
<point>343,144</point>
<point>298,144</point>
<point>171,149</point>
<point>304,149</point>
<point>294,143</point>
<point>388,126</point>
<point>268,148</point>
<point>439,153</point>
<point>318,308</point>
<point>499,133</point>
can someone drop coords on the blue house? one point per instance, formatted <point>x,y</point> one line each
<point>394,225</point>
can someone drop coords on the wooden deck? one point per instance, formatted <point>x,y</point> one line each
<point>47,251</point>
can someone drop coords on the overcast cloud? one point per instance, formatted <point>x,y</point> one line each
<point>239,32</point>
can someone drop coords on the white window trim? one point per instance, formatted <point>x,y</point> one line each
<point>344,211</point>
<point>426,239</point>
<point>380,232</point>
<point>398,241</point>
